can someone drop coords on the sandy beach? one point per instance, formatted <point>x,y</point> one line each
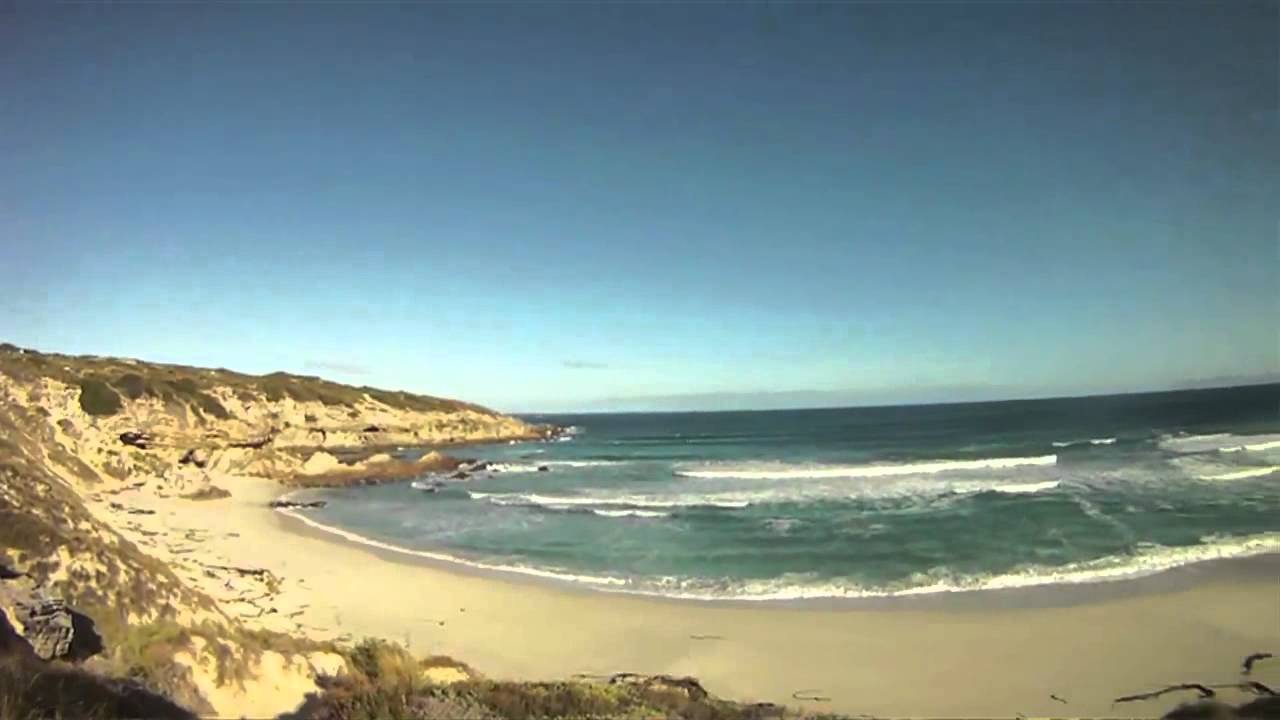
<point>1044,651</point>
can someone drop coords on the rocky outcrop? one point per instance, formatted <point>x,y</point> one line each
<point>323,469</point>
<point>195,456</point>
<point>46,623</point>
<point>290,504</point>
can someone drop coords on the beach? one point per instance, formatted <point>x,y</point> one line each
<point>1067,650</point>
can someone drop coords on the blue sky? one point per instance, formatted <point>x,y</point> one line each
<point>562,206</point>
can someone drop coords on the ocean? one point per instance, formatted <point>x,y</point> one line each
<point>855,502</point>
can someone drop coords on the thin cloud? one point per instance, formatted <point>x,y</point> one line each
<point>584,365</point>
<point>344,368</point>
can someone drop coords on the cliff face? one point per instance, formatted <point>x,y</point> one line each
<point>124,421</point>
<point>76,432</point>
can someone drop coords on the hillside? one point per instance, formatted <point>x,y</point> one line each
<point>76,433</point>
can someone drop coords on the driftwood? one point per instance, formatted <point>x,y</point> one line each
<point>263,575</point>
<point>1254,658</point>
<point>1058,699</point>
<point>810,695</point>
<point>1205,692</point>
<point>705,637</point>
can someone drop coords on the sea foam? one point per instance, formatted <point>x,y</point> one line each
<point>1092,441</point>
<point>1146,560</point>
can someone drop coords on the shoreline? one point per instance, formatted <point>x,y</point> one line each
<point>1265,563</point>
<point>970,655</point>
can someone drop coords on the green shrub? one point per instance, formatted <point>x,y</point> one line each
<point>132,385</point>
<point>208,404</point>
<point>97,398</point>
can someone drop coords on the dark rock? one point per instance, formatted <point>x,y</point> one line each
<point>131,510</point>
<point>476,466</point>
<point>460,475</point>
<point>208,492</point>
<point>140,440</point>
<point>1203,710</point>
<point>292,504</point>
<point>1263,707</point>
<point>50,628</point>
<point>543,468</point>
<point>195,456</point>
<point>372,429</point>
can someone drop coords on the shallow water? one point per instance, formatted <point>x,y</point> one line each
<point>858,502</point>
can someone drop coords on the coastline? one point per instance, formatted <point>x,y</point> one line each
<point>922,655</point>
<point>1265,563</point>
<point>1259,566</point>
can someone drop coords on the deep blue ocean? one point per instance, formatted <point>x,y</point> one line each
<point>855,502</point>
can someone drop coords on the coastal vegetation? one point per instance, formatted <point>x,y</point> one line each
<point>102,382</point>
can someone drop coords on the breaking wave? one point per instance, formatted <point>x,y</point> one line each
<point>631,513</point>
<point>746,498</point>
<point>1242,474</point>
<point>549,464</point>
<point>785,472</point>
<point>1220,442</point>
<point>635,501</point>
<point>1012,488</point>
<point>1093,441</point>
<point>1145,560</point>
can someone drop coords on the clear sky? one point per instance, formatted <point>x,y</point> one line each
<point>565,206</point>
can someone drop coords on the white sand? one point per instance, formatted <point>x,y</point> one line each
<point>966,660</point>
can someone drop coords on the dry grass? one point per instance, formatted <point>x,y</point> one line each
<point>386,682</point>
<point>113,377</point>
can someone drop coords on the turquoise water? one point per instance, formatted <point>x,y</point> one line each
<point>857,502</point>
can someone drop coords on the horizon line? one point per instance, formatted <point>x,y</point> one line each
<point>1185,386</point>
<point>1030,398</point>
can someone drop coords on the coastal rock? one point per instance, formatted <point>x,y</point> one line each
<point>140,440</point>
<point>436,460</point>
<point>293,504</point>
<point>319,463</point>
<point>47,624</point>
<point>543,468</point>
<point>195,456</point>
<point>208,492</point>
<point>184,479</point>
